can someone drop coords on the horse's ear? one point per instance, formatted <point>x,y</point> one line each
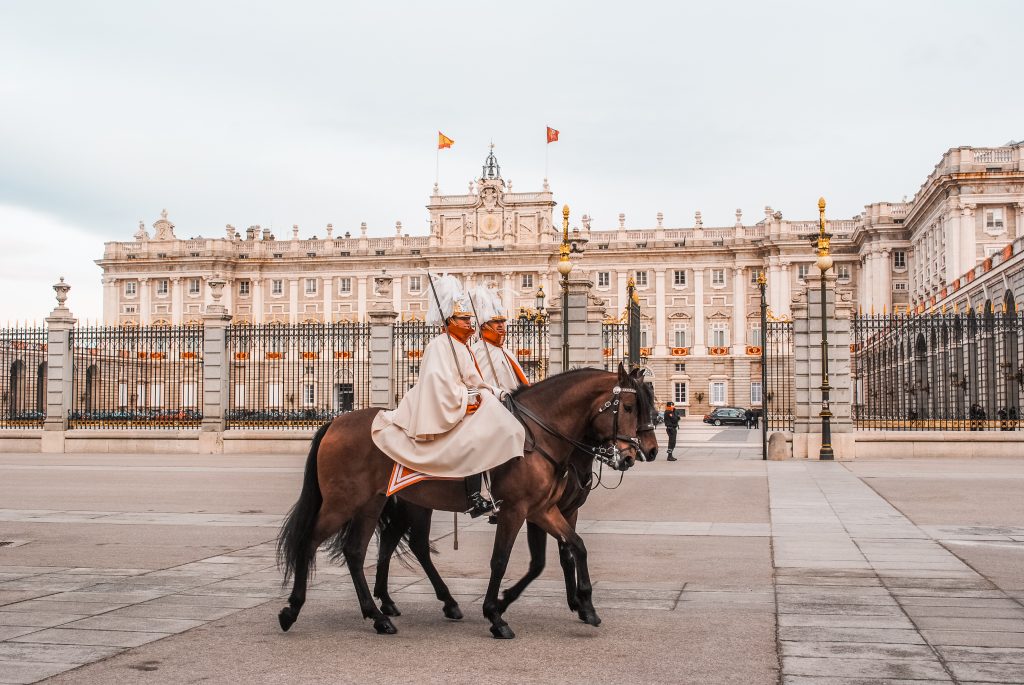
<point>623,376</point>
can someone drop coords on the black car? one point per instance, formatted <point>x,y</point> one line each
<point>727,415</point>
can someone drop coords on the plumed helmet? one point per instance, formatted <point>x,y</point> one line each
<point>488,304</point>
<point>453,301</point>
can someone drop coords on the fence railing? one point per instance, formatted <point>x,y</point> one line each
<point>780,393</point>
<point>948,371</point>
<point>528,342</point>
<point>408,340</point>
<point>136,377</point>
<point>614,344</point>
<point>296,375</point>
<point>23,383</point>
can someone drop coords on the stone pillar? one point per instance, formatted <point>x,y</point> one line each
<point>257,300</point>
<point>785,290</point>
<point>328,286</point>
<point>176,301</point>
<point>586,314</point>
<point>381,358</point>
<point>807,367</point>
<point>619,304</point>
<point>739,313</point>
<point>215,371</point>
<point>145,306</point>
<point>111,310</point>
<point>293,301</point>
<point>361,298</point>
<point>885,279</point>
<point>968,240</point>
<point>60,369</point>
<point>661,321</point>
<point>699,346</point>
<point>774,285</point>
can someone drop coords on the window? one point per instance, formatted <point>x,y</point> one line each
<point>311,286</point>
<point>994,219</point>
<point>604,279</point>
<point>801,271</point>
<point>344,286</point>
<point>679,335</point>
<point>755,392</point>
<point>754,273</point>
<point>309,394</point>
<point>718,392</point>
<point>680,367</point>
<point>276,286</point>
<point>679,393</point>
<point>243,288</point>
<point>900,286</point>
<point>526,282</point>
<point>843,272</point>
<point>641,279</point>
<point>719,334</point>
<point>679,277</point>
<point>899,259</point>
<point>274,395</point>
<point>239,395</point>
<point>140,395</point>
<point>415,284</point>
<point>193,286</point>
<point>645,334</point>
<point>379,253</point>
<point>161,286</point>
<point>156,395</point>
<point>122,394</point>
<point>130,288</point>
<point>754,336</point>
<point>718,277</point>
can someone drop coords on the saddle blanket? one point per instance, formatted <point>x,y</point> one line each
<point>403,477</point>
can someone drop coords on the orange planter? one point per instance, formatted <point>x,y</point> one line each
<point>242,356</point>
<point>343,355</point>
<point>270,355</point>
<point>754,350</point>
<point>309,355</point>
<point>680,351</point>
<point>718,351</point>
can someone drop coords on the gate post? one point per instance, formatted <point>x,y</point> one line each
<point>382,367</point>
<point>60,370</point>
<point>807,334</point>
<point>586,314</point>
<point>216,368</point>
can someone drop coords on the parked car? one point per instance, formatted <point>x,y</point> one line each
<point>727,415</point>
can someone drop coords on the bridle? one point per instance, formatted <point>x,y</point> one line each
<point>610,455</point>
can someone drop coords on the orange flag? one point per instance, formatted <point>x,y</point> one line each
<point>443,141</point>
<point>552,135</point>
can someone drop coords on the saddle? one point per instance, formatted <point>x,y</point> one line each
<point>402,477</point>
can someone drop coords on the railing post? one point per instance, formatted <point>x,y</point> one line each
<point>60,371</point>
<point>215,371</point>
<point>586,313</point>
<point>382,367</point>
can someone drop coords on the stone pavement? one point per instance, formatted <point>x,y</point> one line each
<point>719,568</point>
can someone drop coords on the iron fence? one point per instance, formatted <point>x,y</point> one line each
<point>408,340</point>
<point>136,377</point>
<point>23,383</point>
<point>614,344</point>
<point>528,341</point>
<point>299,375</point>
<point>943,371</point>
<point>779,392</point>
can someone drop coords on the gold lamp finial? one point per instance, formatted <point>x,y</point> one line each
<point>761,280</point>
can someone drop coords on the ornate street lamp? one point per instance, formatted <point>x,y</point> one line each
<point>824,263</point>
<point>762,282</point>
<point>539,302</point>
<point>565,268</point>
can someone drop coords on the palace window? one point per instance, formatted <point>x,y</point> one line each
<point>193,286</point>
<point>755,392</point>
<point>900,286</point>
<point>239,395</point>
<point>641,279</point>
<point>899,259</point>
<point>680,367</point>
<point>843,272</point>
<point>344,286</point>
<point>679,277</point>
<point>243,288</point>
<point>679,335</point>
<point>130,288</point>
<point>161,286</point>
<point>415,284</point>
<point>526,282</point>
<point>276,286</point>
<point>994,219</point>
<point>719,334</point>
<point>801,271</point>
<point>754,273</point>
<point>604,279</point>
<point>754,336</point>
<point>679,392</point>
<point>274,395</point>
<point>718,392</point>
<point>311,286</point>
<point>156,395</point>
<point>309,394</point>
<point>188,394</point>
<point>718,277</point>
<point>645,336</point>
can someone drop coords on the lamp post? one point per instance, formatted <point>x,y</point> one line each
<point>762,282</point>
<point>564,268</point>
<point>824,263</point>
<point>539,302</point>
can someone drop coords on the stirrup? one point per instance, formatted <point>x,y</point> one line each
<point>480,505</point>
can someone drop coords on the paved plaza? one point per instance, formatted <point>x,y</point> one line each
<point>718,568</point>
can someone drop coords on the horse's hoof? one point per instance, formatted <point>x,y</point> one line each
<point>590,618</point>
<point>384,626</point>
<point>286,617</point>
<point>502,632</point>
<point>389,609</point>
<point>453,612</point>
<point>574,606</point>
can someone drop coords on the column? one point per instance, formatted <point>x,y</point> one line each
<point>1020,220</point>
<point>176,301</point>
<point>361,297</point>
<point>216,318</point>
<point>968,240</point>
<point>699,348</point>
<point>60,369</point>
<point>144,302</point>
<point>511,306</point>
<point>952,233</point>
<point>229,296</point>
<point>774,284</point>
<point>257,300</point>
<point>111,310</point>
<point>328,286</point>
<point>739,312</point>
<point>584,327</point>
<point>619,305</point>
<point>661,321</point>
<point>293,300</point>
<point>396,293</point>
<point>885,278</point>
<point>785,290</point>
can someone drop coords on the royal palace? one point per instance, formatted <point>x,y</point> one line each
<point>957,242</point>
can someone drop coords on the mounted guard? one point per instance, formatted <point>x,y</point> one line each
<point>450,424</point>
<point>500,368</point>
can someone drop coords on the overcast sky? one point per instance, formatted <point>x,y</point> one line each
<point>311,113</point>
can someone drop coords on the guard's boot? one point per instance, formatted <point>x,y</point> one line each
<point>478,504</point>
<point>671,458</point>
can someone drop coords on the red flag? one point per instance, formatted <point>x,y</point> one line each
<point>444,141</point>
<point>552,135</point>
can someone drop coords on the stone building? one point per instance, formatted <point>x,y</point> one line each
<point>697,283</point>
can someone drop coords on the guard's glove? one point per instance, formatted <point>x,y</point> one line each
<point>474,401</point>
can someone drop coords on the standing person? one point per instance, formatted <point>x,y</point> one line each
<point>450,424</point>
<point>671,427</point>
<point>748,417</point>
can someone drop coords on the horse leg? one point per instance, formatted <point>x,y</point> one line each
<point>537,539</point>
<point>328,523</point>
<point>554,523</point>
<point>389,539</point>
<point>509,522</point>
<point>359,535</point>
<point>419,543</point>
<point>569,567</point>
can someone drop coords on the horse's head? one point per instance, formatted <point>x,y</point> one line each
<point>618,415</point>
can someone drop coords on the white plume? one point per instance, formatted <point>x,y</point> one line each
<point>488,303</point>
<point>449,292</point>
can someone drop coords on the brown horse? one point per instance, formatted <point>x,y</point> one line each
<point>404,523</point>
<point>346,476</point>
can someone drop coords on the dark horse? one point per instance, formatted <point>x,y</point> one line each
<point>405,523</point>
<point>346,477</point>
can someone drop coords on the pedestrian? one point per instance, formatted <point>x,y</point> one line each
<point>748,417</point>
<point>671,427</point>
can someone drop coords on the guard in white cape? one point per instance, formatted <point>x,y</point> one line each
<point>499,368</point>
<point>450,424</point>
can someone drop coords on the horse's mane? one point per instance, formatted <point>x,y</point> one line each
<point>550,380</point>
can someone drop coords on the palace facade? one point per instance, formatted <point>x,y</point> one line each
<point>697,283</point>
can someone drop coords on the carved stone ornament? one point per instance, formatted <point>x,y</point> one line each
<point>61,289</point>
<point>382,290</point>
<point>142,234</point>
<point>163,229</point>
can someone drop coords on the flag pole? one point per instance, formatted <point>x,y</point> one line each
<point>437,165</point>
<point>546,146</point>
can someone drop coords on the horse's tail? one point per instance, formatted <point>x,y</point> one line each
<point>295,539</point>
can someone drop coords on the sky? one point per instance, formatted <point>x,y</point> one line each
<point>311,113</point>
